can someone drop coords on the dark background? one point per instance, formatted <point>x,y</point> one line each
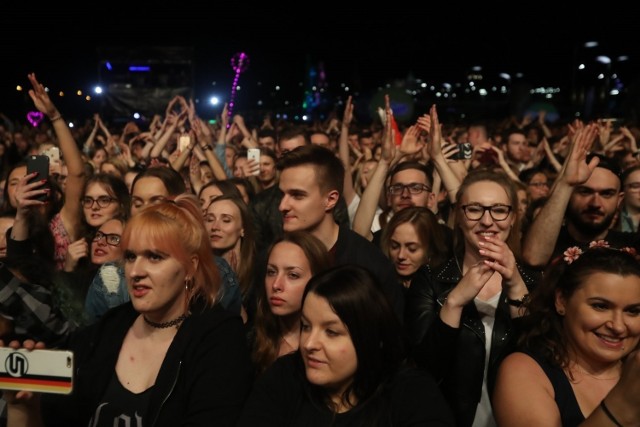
<point>369,51</point>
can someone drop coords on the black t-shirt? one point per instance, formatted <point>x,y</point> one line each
<point>280,398</point>
<point>120,405</point>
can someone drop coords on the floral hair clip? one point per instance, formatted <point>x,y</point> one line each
<point>571,254</point>
<point>574,252</point>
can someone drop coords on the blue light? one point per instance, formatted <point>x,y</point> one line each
<point>139,68</point>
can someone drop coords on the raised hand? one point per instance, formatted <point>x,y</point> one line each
<point>576,169</point>
<point>41,99</point>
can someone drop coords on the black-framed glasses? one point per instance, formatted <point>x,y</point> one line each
<point>414,188</point>
<point>111,239</point>
<point>102,201</point>
<point>476,212</point>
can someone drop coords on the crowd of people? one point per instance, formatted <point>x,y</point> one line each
<point>357,274</point>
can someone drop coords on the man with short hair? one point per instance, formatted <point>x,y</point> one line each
<point>264,206</point>
<point>267,139</point>
<point>517,150</point>
<point>586,196</point>
<point>320,138</point>
<point>311,180</point>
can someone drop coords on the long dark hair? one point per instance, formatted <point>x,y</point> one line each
<point>355,295</point>
<point>268,330</point>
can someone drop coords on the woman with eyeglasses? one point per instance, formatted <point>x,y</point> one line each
<point>104,197</point>
<point>460,316</point>
<point>108,288</point>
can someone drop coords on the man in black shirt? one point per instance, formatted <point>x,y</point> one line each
<point>311,180</point>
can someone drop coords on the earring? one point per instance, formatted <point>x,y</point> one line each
<point>188,284</point>
<point>561,312</point>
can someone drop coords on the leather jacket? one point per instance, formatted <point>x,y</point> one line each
<point>456,356</point>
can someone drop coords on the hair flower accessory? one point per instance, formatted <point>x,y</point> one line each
<point>599,244</point>
<point>630,251</point>
<point>572,254</point>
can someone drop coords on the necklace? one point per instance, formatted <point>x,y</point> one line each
<point>583,372</point>
<point>175,322</point>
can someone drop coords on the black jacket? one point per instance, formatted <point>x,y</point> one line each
<point>204,379</point>
<point>456,356</point>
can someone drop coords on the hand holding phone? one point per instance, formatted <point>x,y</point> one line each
<point>45,371</point>
<point>465,151</point>
<point>254,154</point>
<point>39,164</point>
<point>183,142</point>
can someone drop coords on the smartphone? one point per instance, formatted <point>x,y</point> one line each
<point>45,371</point>
<point>53,154</point>
<point>254,153</point>
<point>39,163</point>
<point>183,142</point>
<point>465,151</point>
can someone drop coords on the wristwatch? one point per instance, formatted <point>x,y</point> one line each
<point>517,302</point>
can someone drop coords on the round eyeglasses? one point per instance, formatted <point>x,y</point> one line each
<point>111,239</point>
<point>476,212</point>
<point>415,188</point>
<point>102,201</point>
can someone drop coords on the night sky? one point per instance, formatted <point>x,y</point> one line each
<point>364,49</point>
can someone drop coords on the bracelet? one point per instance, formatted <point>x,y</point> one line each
<point>517,302</point>
<point>609,414</point>
<point>58,117</point>
<point>206,147</point>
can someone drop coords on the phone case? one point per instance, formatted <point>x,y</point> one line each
<point>254,153</point>
<point>45,371</point>
<point>40,164</point>
<point>183,142</point>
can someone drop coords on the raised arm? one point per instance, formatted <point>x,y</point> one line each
<point>173,121</point>
<point>343,151</point>
<point>537,251</point>
<point>431,125</point>
<point>366,211</point>
<point>204,137</point>
<point>71,212</point>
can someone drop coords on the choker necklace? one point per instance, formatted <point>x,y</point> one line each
<point>175,322</point>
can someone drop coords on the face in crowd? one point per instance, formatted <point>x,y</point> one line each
<point>485,210</point>
<point>593,205</point>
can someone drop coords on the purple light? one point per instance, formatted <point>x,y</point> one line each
<point>35,118</point>
<point>239,64</point>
